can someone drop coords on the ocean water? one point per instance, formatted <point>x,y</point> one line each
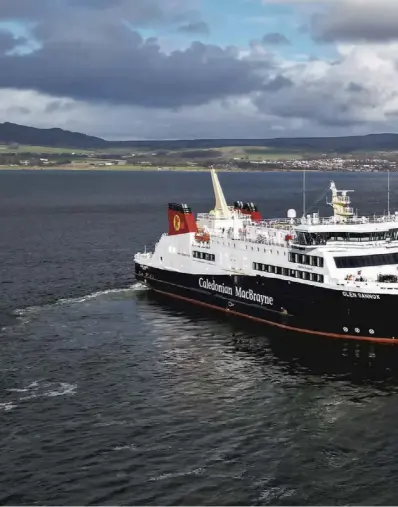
<point>109,395</point>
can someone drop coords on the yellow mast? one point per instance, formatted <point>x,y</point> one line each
<point>341,203</point>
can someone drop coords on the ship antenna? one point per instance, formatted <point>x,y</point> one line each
<point>304,193</point>
<point>388,192</point>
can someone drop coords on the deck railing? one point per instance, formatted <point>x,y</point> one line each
<point>312,220</point>
<point>228,236</point>
<point>366,283</point>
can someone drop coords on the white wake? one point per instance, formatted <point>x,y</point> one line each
<point>136,287</point>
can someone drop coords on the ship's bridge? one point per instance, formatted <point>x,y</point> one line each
<point>352,234</point>
<point>344,227</point>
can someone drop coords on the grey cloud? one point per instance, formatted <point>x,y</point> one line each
<point>325,101</point>
<point>195,27</point>
<point>230,119</point>
<point>88,52</point>
<point>121,67</point>
<point>392,114</point>
<point>56,106</point>
<point>351,21</point>
<point>355,87</point>
<point>22,9</point>
<point>316,109</point>
<point>18,110</point>
<point>8,41</point>
<point>136,12</point>
<point>95,4</point>
<point>278,83</point>
<point>275,38</point>
<point>303,28</point>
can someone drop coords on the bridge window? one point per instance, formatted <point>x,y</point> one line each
<point>394,234</point>
<point>311,238</point>
<point>362,261</point>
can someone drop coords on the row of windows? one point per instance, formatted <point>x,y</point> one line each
<point>294,273</point>
<point>309,260</point>
<point>362,261</point>
<point>321,238</point>
<point>204,255</point>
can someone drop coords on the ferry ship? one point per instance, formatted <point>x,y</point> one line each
<point>334,277</point>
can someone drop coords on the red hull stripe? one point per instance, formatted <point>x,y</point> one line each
<point>389,341</point>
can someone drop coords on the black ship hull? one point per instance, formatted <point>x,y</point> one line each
<point>288,305</point>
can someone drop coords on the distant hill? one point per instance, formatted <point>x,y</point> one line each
<point>59,138</point>
<point>371,142</point>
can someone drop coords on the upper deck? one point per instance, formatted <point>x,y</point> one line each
<point>343,229</point>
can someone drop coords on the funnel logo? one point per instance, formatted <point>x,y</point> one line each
<point>177,222</point>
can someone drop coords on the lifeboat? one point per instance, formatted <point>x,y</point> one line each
<point>202,236</point>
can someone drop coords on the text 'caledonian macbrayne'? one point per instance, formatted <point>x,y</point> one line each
<point>248,294</point>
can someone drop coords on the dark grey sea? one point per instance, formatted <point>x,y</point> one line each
<point>111,396</point>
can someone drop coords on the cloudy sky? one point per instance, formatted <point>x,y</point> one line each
<point>169,69</point>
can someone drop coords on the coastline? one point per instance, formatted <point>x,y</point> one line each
<point>149,169</point>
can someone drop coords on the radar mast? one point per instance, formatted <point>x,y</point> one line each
<point>341,204</point>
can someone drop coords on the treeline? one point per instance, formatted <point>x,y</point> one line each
<point>174,161</point>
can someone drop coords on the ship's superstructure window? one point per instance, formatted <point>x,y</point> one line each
<point>321,238</point>
<point>294,273</point>
<point>309,260</point>
<point>204,256</point>
<point>362,261</point>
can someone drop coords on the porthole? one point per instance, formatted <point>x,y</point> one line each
<point>345,329</point>
<point>357,330</point>
<point>371,331</point>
